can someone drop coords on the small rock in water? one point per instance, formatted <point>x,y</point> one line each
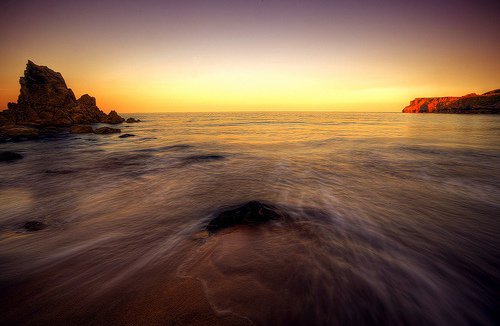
<point>126,135</point>
<point>132,120</point>
<point>251,213</point>
<point>10,156</point>
<point>107,130</point>
<point>34,226</point>
<point>81,129</point>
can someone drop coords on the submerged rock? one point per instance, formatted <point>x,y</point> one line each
<point>81,129</point>
<point>203,158</point>
<point>10,156</point>
<point>126,135</point>
<point>45,100</point>
<point>472,103</point>
<point>107,130</point>
<point>251,213</point>
<point>34,226</point>
<point>132,120</point>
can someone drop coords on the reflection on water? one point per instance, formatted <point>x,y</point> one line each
<point>393,218</point>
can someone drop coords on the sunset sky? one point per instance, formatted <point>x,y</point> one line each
<point>231,55</point>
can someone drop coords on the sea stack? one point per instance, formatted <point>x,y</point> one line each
<point>46,101</point>
<point>472,103</point>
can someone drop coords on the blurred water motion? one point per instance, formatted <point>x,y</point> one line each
<point>394,219</point>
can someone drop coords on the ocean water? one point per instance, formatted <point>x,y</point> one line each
<point>393,219</point>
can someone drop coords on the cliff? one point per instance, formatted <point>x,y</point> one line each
<point>45,100</point>
<point>472,103</point>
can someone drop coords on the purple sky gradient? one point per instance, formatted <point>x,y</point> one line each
<point>336,48</point>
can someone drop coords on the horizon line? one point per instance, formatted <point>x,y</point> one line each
<point>257,111</point>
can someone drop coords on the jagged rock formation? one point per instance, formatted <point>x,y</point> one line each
<point>472,103</point>
<point>46,102</point>
<point>113,118</point>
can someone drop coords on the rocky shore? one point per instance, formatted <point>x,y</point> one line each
<point>472,103</point>
<point>46,105</point>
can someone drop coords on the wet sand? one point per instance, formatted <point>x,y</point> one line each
<point>155,298</point>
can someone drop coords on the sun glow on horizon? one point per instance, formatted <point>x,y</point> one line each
<point>245,55</point>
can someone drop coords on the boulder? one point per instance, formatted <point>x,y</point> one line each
<point>81,129</point>
<point>10,156</point>
<point>45,100</point>
<point>107,130</point>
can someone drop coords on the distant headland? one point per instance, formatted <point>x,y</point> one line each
<point>472,103</point>
<point>46,104</point>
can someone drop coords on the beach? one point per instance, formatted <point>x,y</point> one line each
<point>380,218</point>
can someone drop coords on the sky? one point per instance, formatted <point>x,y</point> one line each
<point>255,55</point>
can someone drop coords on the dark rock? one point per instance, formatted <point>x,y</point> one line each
<point>10,156</point>
<point>45,100</point>
<point>86,111</point>
<point>113,118</point>
<point>107,130</point>
<point>132,120</point>
<point>81,129</point>
<point>472,103</point>
<point>251,213</point>
<point>126,135</point>
<point>18,132</point>
<point>34,226</point>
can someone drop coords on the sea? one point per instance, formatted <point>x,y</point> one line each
<point>393,219</point>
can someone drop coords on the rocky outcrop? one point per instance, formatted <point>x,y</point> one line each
<point>132,120</point>
<point>45,101</point>
<point>472,103</point>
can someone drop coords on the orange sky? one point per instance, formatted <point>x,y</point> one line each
<point>254,55</point>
